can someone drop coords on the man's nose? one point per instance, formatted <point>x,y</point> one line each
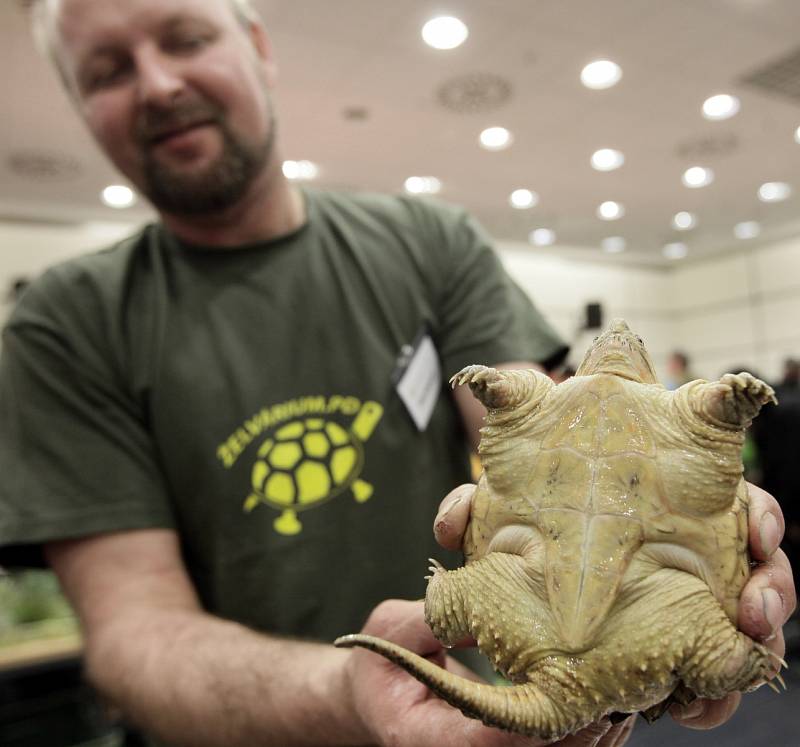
<point>158,79</point>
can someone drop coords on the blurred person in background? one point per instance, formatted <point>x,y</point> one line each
<point>146,391</point>
<point>678,370</point>
<point>791,373</point>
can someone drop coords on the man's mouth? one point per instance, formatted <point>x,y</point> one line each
<point>167,134</point>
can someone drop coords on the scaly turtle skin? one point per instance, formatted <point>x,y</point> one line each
<point>606,549</point>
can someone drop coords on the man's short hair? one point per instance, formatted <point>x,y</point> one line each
<point>45,36</point>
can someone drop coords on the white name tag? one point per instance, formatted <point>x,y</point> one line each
<point>419,380</point>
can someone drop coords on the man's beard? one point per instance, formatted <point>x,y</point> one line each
<point>217,187</point>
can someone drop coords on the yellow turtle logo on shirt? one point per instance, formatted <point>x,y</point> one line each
<point>308,461</point>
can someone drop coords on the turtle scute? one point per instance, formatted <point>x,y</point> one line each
<point>606,548</point>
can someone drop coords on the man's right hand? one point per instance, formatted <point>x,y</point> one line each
<point>398,711</point>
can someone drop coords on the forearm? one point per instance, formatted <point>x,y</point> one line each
<point>195,680</point>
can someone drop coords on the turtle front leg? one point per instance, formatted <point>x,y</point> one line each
<point>733,401</point>
<point>503,389</point>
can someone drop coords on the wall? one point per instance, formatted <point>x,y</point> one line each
<point>562,286</point>
<point>740,310</point>
<point>28,248</point>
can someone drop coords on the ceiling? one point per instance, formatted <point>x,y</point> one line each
<point>360,95</point>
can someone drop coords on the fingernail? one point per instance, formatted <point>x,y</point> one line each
<point>769,534</point>
<point>773,608</point>
<point>450,506</point>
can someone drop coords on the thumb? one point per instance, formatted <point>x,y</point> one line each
<point>403,622</point>
<point>452,517</point>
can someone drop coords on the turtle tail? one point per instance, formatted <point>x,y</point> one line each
<point>522,708</point>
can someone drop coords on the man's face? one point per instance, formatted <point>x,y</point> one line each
<point>175,92</point>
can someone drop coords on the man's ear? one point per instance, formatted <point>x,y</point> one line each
<point>263,46</point>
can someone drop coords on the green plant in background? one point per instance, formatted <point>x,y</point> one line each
<point>32,605</point>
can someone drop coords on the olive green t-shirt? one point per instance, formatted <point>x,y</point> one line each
<point>245,398</point>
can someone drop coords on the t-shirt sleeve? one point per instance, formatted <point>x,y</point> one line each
<point>76,457</point>
<point>485,317</point>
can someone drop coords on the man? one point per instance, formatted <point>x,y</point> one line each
<point>170,406</point>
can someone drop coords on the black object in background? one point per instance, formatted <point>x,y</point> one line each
<point>594,316</point>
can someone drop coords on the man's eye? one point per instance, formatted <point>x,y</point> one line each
<point>103,78</point>
<point>187,44</point>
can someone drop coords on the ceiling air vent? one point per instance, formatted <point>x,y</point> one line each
<point>43,166</point>
<point>474,93</point>
<point>708,146</point>
<point>781,77</point>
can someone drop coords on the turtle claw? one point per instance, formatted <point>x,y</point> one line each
<point>474,374</point>
<point>778,659</point>
<point>747,386</point>
<point>735,399</point>
<point>488,384</point>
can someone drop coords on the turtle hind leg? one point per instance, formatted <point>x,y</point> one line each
<point>693,649</point>
<point>447,605</point>
<point>725,660</point>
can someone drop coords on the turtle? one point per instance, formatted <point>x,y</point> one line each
<point>308,461</point>
<point>606,547</point>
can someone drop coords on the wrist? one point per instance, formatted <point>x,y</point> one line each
<point>340,681</point>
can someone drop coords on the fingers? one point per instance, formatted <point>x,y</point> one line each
<point>704,713</point>
<point>451,520</point>
<point>768,599</point>
<point>435,724</point>
<point>766,523</point>
<point>619,734</point>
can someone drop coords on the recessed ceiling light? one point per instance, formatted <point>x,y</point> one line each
<point>422,185</point>
<point>697,176</point>
<point>523,198</point>
<point>607,159</point>
<point>445,32</point>
<point>613,244</point>
<point>610,210</point>
<point>774,191</point>
<point>675,250</point>
<point>300,170</point>
<point>683,221</point>
<point>496,138</point>
<point>118,196</point>
<point>542,237</point>
<point>748,229</point>
<point>720,106</point>
<point>601,74</point>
